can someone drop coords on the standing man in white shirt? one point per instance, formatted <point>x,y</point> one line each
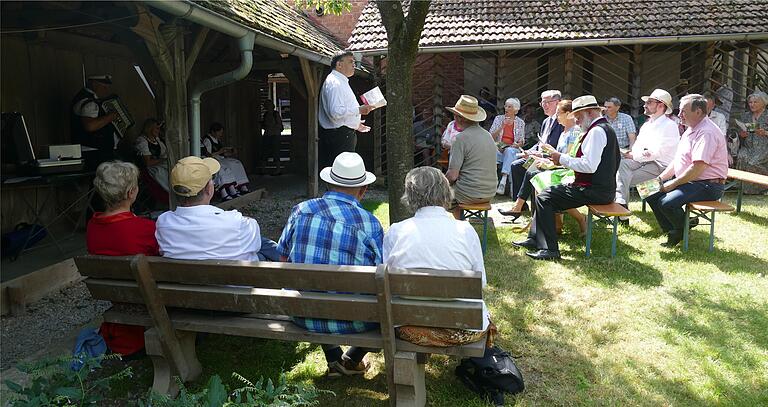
<point>654,149</point>
<point>339,113</point>
<point>198,231</point>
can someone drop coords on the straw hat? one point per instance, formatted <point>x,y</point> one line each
<point>348,170</point>
<point>662,96</point>
<point>191,174</point>
<point>584,102</point>
<point>468,108</point>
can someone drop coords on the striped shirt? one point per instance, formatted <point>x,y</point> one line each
<point>334,229</point>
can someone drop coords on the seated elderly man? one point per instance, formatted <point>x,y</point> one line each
<point>336,229</point>
<point>198,231</point>
<point>472,165</point>
<point>697,172</point>
<point>431,239</point>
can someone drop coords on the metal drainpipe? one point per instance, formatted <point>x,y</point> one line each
<point>246,62</point>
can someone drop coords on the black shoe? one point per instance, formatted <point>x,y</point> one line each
<point>544,255</point>
<point>672,240</point>
<point>693,222</point>
<point>526,244</point>
<point>513,214</point>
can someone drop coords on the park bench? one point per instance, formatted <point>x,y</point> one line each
<point>739,178</point>
<point>609,213</point>
<point>703,211</point>
<point>178,298</point>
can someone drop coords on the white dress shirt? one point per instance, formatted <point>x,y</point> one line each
<point>433,239</point>
<point>719,120</point>
<point>658,137</point>
<point>338,104</point>
<point>207,232</point>
<point>591,148</point>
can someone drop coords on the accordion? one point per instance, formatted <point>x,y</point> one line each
<point>124,120</point>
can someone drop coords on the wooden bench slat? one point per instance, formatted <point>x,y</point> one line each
<point>715,206</point>
<point>612,209</point>
<point>358,279</point>
<point>260,327</point>
<point>289,302</point>
<point>750,177</point>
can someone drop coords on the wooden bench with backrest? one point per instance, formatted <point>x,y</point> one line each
<point>739,178</point>
<point>177,298</point>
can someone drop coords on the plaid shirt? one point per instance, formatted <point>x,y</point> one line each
<point>622,125</point>
<point>334,229</point>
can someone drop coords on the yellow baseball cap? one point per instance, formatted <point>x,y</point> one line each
<point>191,174</point>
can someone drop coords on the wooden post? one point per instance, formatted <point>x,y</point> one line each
<point>709,63</point>
<point>377,127</point>
<point>501,65</point>
<point>637,76</point>
<point>438,111</point>
<point>752,69</point>
<point>312,82</point>
<point>568,86</point>
<point>384,297</point>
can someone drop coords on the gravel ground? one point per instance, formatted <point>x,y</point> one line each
<point>50,319</point>
<point>58,315</point>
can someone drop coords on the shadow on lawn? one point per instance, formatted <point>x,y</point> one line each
<point>727,261</point>
<point>721,342</point>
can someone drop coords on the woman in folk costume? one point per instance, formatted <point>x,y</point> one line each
<point>231,180</point>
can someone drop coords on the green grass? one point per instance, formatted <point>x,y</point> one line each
<point>652,327</point>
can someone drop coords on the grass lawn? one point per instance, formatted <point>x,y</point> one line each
<point>654,326</point>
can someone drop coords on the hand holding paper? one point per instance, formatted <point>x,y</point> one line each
<point>374,98</point>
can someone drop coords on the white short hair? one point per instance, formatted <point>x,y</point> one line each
<point>515,102</point>
<point>552,93</point>
<point>114,180</point>
<point>426,186</point>
<point>759,95</point>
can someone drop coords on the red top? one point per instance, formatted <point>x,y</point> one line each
<point>508,133</point>
<point>121,234</point>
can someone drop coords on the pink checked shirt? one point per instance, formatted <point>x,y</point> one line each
<point>706,143</point>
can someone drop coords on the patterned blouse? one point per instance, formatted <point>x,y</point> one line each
<point>498,123</point>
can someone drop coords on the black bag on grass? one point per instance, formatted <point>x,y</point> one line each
<point>492,375</point>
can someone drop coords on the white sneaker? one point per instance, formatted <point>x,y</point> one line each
<point>500,189</point>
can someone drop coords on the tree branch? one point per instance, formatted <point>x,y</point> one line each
<point>414,24</point>
<point>391,16</point>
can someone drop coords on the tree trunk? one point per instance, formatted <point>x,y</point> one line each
<point>403,34</point>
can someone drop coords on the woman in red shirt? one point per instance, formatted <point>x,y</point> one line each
<point>118,232</point>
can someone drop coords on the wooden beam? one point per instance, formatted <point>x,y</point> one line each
<point>568,86</point>
<point>312,82</point>
<point>384,298</point>
<point>293,77</point>
<point>637,72</point>
<point>197,45</point>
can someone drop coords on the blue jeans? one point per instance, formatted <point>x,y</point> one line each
<point>668,207</point>
<point>506,158</point>
<point>268,251</point>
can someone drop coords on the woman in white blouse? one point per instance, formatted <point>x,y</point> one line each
<point>508,131</point>
<point>433,239</point>
<point>231,180</point>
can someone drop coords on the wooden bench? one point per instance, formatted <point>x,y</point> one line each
<point>703,210</point>
<point>609,212</point>
<point>178,298</point>
<point>477,211</point>
<point>740,177</point>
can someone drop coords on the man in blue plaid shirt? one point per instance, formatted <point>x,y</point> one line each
<point>335,229</point>
<point>622,123</point>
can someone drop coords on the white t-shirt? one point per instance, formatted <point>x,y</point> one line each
<point>338,104</point>
<point>207,232</point>
<point>433,239</point>
<point>591,148</point>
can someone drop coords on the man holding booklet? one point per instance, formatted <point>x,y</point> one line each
<point>697,172</point>
<point>653,150</point>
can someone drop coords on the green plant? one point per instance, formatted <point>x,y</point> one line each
<point>54,383</point>
<point>262,393</point>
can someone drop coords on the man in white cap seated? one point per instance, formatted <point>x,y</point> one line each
<point>336,229</point>
<point>594,166</point>
<point>653,150</point>
<point>90,124</point>
<point>195,230</point>
<point>472,164</point>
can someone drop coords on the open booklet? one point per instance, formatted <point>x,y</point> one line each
<point>748,127</point>
<point>648,188</point>
<point>374,97</point>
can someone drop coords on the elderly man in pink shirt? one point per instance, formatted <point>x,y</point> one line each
<point>697,173</point>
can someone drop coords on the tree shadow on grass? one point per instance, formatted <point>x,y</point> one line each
<point>727,261</point>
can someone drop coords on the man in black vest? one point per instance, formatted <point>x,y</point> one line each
<point>90,125</point>
<point>594,165</point>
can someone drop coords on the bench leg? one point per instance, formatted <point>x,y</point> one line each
<point>686,227</point>
<point>643,205</point>
<point>589,231</point>
<point>738,197</point>
<point>164,382</point>
<point>409,380</point>
<point>712,233</point>
<point>615,236</point>
<point>485,230</point>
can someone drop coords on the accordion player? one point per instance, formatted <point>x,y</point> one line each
<point>123,121</point>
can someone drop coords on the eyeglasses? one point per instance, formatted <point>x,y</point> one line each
<point>546,102</point>
<point>651,101</point>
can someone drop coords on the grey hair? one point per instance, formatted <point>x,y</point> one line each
<point>759,95</point>
<point>697,102</point>
<point>515,102</point>
<point>114,180</point>
<point>615,100</point>
<point>552,93</point>
<point>189,200</point>
<point>426,186</point>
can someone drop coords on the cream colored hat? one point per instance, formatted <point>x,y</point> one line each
<point>468,108</point>
<point>662,96</point>
<point>585,102</point>
<point>191,174</point>
<point>348,170</point>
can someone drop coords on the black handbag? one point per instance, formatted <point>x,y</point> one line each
<point>492,375</point>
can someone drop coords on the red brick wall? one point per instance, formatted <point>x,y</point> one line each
<point>450,67</point>
<point>341,26</point>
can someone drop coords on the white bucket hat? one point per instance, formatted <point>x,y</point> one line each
<point>584,102</point>
<point>348,170</point>
<point>662,96</point>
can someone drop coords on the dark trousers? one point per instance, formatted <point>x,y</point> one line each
<point>334,142</point>
<point>333,353</point>
<point>526,188</point>
<point>556,199</point>
<point>517,173</point>
<point>668,207</point>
